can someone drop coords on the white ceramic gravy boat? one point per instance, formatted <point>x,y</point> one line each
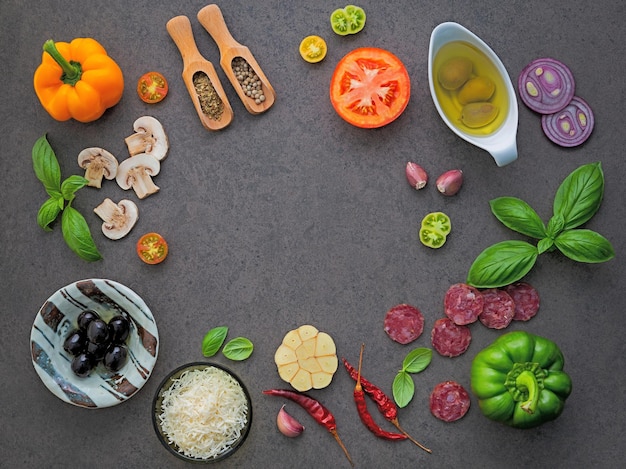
<point>501,144</point>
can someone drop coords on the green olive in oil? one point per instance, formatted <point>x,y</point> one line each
<point>450,70</point>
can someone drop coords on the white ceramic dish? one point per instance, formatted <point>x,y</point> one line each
<point>56,319</point>
<point>501,143</point>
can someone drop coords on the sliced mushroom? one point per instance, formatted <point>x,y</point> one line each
<point>118,218</point>
<point>97,163</point>
<point>149,138</point>
<point>137,172</point>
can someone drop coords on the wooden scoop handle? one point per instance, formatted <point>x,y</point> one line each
<point>213,21</point>
<point>180,30</point>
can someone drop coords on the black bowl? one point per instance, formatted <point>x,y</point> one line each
<point>157,409</point>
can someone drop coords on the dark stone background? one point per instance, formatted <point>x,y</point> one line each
<point>294,217</point>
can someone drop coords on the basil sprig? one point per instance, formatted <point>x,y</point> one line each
<point>577,199</point>
<point>61,194</point>
<point>237,349</point>
<point>403,386</point>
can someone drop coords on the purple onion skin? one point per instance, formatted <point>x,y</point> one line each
<point>546,85</point>
<point>571,126</point>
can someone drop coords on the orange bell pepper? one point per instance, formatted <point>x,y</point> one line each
<point>77,80</point>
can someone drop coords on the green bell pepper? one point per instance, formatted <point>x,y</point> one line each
<point>519,380</point>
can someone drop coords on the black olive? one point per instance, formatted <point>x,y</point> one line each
<point>97,351</point>
<point>75,342</point>
<point>115,357</point>
<point>97,331</point>
<point>82,364</point>
<point>85,317</point>
<point>119,328</point>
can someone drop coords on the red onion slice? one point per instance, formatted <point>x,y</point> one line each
<point>571,126</point>
<point>546,85</point>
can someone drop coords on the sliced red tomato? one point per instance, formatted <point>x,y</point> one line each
<point>152,87</point>
<point>152,248</point>
<point>370,87</point>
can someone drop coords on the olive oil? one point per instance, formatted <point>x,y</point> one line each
<point>482,67</point>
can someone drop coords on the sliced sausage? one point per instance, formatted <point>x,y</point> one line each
<point>498,310</point>
<point>526,300</point>
<point>463,303</point>
<point>449,401</point>
<point>404,323</point>
<point>450,339</point>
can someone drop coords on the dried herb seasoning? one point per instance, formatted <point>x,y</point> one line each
<point>210,102</point>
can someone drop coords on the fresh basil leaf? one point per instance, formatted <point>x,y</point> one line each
<point>501,264</point>
<point>48,212</point>
<point>518,216</point>
<point>46,166</point>
<point>417,360</point>
<point>544,245</point>
<point>213,340</point>
<point>555,225</point>
<point>77,235</point>
<point>238,349</point>
<point>579,195</point>
<point>403,388</point>
<point>70,185</point>
<point>585,246</point>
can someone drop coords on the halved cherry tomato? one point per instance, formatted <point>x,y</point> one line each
<point>313,49</point>
<point>356,18</point>
<point>435,229</point>
<point>152,248</point>
<point>348,20</point>
<point>370,87</point>
<point>152,87</point>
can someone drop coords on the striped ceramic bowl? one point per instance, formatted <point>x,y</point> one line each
<point>57,319</point>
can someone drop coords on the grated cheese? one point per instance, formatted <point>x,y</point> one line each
<point>203,412</point>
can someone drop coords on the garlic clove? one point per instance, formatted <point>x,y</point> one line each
<point>416,175</point>
<point>287,424</point>
<point>449,183</point>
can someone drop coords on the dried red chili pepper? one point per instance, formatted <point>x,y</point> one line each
<point>385,404</point>
<point>316,410</point>
<point>366,417</point>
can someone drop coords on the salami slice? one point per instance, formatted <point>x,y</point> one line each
<point>449,401</point>
<point>498,310</point>
<point>526,300</point>
<point>450,339</point>
<point>463,304</point>
<point>404,323</point>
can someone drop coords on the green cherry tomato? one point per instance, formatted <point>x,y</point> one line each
<point>356,18</point>
<point>339,22</point>
<point>348,20</point>
<point>435,229</point>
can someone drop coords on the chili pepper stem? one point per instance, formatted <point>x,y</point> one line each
<point>343,447</point>
<point>397,425</point>
<point>358,386</point>
<point>71,71</point>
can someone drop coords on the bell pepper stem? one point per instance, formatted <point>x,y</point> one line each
<point>72,71</point>
<point>527,380</point>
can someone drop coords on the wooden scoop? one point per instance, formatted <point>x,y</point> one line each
<point>211,18</point>
<point>218,111</point>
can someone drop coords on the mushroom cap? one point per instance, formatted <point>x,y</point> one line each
<point>148,162</point>
<point>118,219</point>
